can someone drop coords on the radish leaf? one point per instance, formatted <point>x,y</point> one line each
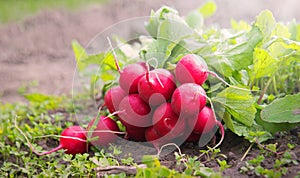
<point>208,9</point>
<point>284,110</point>
<point>266,23</point>
<point>262,61</point>
<point>239,103</point>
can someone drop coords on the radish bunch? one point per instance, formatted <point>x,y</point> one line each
<point>157,106</point>
<point>153,104</point>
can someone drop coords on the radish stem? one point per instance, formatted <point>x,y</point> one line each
<point>226,83</point>
<point>115,56</point>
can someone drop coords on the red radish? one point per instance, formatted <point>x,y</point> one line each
<point>193,137</point>
<point>188,99</point>
<point>130,76</point>
<point>135,133</point>
<point>191,69</point>
<point>113,97</point>
<point>134,111</point>
<point>153,137</point>
<point>205,123</point>
<point>156,86</point>
<point>106,125</point>
<point>73,140</point>
<point>165,121</point>
<point>151,134</point>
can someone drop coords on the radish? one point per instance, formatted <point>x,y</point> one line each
<point>135,133</point>
<point>165,121</point>
<point>156,86</point>
<point>134,111</point>
<point>191,68</point>
<point>73,140</point>
<point>205,123</point>
<point>153,137</point>
<point>130,77</point>
<point>106,125</point>
<point>188,99</point>
<point>151,134</point>
<point>113,97</point>
<point>193,137</point>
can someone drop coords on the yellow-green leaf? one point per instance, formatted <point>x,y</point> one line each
<point>239,103</point>
<point>208,9</point>
<point>264,63</point>
<point>265,21</point>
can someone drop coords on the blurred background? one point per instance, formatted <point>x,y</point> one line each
<point>36,36</point>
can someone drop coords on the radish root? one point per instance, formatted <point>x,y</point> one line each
<point>169,144</point>
<point>219,124</point>
<point>27,140</point>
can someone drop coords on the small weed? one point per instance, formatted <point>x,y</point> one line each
<point>212,153</point>
<point>278,168</point>
<point>223,164</point>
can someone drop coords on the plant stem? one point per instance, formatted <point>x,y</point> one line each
<point>226,83</point>
<point>247,151</point>
<point>264,91</point>
<point>115,56</point>
<point>274,85</point>
<point>266,148</point>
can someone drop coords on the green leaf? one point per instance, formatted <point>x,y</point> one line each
<point>173,29</point>
<point>185,46</point>
<point>194,19</point>
<point>157,50</point>
<point>240,26</point>
<point>156,18</point>
<point>287,43</point>
<point>241,130</point>
<point>82,58</point>
<point>164,171</point>
<point>264,63</point>
<point>151,161</point>
<point>294,29</point>
<point>241,55</point>
<point>284,110</point>
<point>221,64</point>
<point>38,97</point>
<point>274,127</point>
<point>266,23</point>
<point>239,103</point>
<point>228,121</point>
<point>281,31</point>
<point>208,9</point>
<point>79,53</point>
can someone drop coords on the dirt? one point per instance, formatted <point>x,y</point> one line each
<point>233,148</point>
<point>39,49</point>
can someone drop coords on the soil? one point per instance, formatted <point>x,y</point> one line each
<point>39,49</point>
